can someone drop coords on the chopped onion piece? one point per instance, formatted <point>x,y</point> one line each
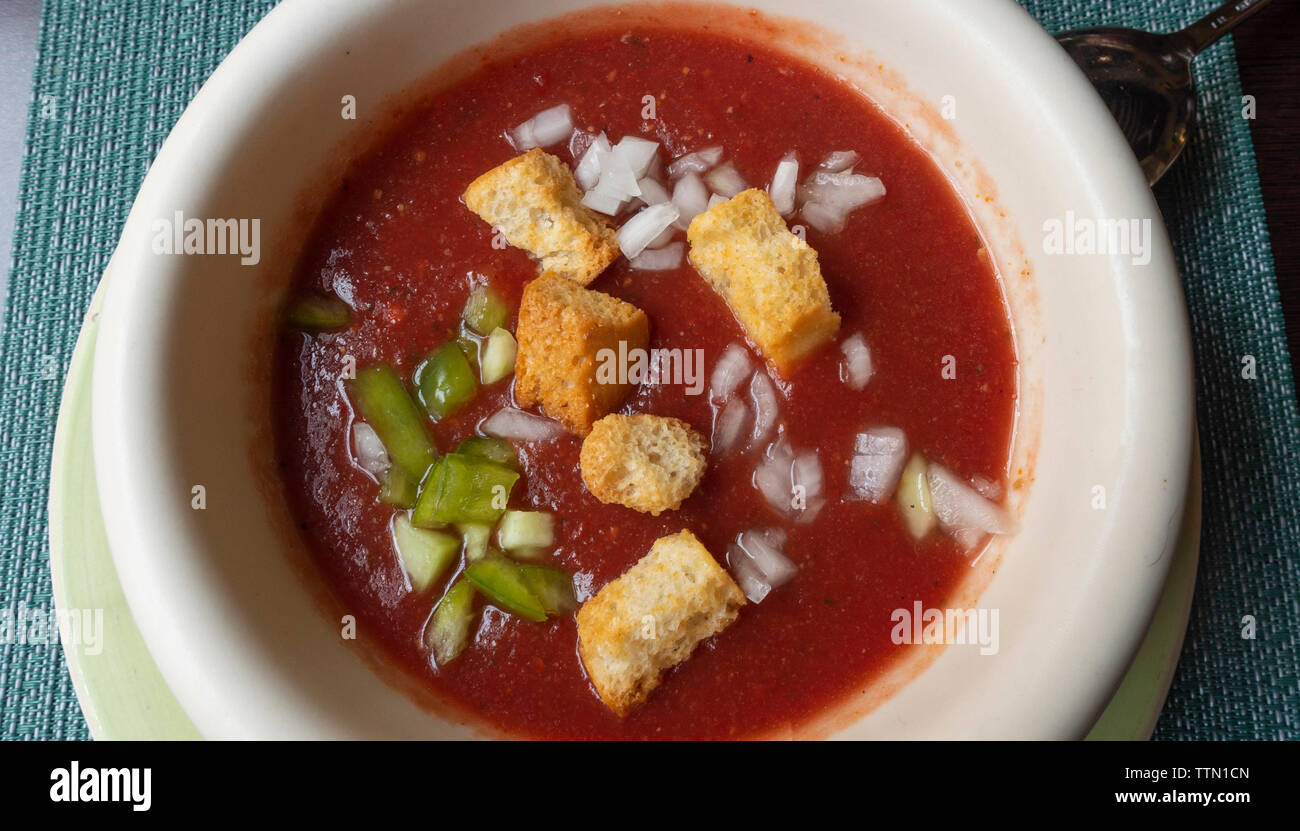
<point>725,180</point>
<point>728,425</point>
<point>637,152</point>
<point>587,173</point>
<point>691,198</point>
<point>784,183</point>
<point>660,259</point>
<point>664,238</point>
<point>697,162</point>
<point>856,369</point>
<point>987,488</point>
<point>875,470</point>
<point>730,370</point>
<point>824,219</point>
<point>653,193</point>
<point>371,454</point>
<point>762,546</point>
<point>513,423</point>
<point>639,231</point>
<point>544,129</point>
<point>841,191</point>
<point>960,509</point>
<point>767,406</point>
<point>715,200</point>
<point>748,577</point>
<point>617,178</point>
<point>602,202</point>
<point>840,161</point>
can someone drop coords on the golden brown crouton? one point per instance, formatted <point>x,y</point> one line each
<point>649,463</point>
<point>533,200</point>
<point>562,330</point>
<point>652,618</point>
<point>768,276</point>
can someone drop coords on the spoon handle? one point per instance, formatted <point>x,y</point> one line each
<point>1216,24</point>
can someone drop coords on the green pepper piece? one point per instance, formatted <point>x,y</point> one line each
<point>446,381</point>
<point>554,588</point>
<point>424,554</point>
<point>500,580</point>
<point>383,402</point>
<point>448,630</point>
<point>484,311</point>
<point>469,347</point>
<point>498,450</point>
<point>464,488</point>
<point>318,313</point>
<point>396,488</point>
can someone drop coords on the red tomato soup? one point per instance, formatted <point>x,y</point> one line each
<point>399,248</point>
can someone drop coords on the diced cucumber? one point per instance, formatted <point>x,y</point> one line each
<point>554,588</point>
<point>476,538</point>
<point>383,403</point>
<point>464,488</point>
<point>396,488</point>
<point>503,585</point>
<point>498,450</point>
<point>485,310</point>
<point>914,498</point>
<point>446,381</point>
<point>528,531</point>
<point>318,313</point>
<point>498,356</point>
<point>448,630</point>
<point>425,554</point>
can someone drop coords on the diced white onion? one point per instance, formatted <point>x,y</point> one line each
<point>617,178</point>
<point>824,219</point>
<point>725,180</point>
<point>783,475</point>
<point>767,406</point>
<point>960,509</point>
<point>987,488</point>
<point>729,425</point>
<point>773,481</point>
<point>880,456</point>
<point>840,161</point>
<point>637,152</point>
<point>660,259</point>
<point>759,565</point>
<point>841,191</point>
<point>587,173</point>
<point>371,454</point>
<point>664,238</point>
<point>697,162</point>
<point>856,369</point>
<point>784,183</point>
<point>513,423</point>
<point>544,129</point>
<point>715,200</point>
<point>732,368</point>
<point>602,202</point>
<point>748,577</point>
<point>653,193</point>
<point>639,231</point>
<point>691,198</point>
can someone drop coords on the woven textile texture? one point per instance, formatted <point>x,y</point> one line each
<point>112,78</point>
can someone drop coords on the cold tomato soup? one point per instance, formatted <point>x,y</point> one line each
<point>397,254</point>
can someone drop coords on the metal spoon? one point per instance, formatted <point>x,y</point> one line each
<point>1146,79</point>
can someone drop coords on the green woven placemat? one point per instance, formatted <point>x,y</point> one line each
<point>112,78</point>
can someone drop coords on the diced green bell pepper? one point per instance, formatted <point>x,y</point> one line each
<point>463,488</point>
<point>484,311</point>
<point>383,402</point>
<point>396,488</point>
<point>425,554</point>
<point>446,381</point>
<point>498,450</point>
<point>553,587</point>
<point>502,583</point>
<point>448,630</point>
<point>318,313</point>
<point>470,349</point>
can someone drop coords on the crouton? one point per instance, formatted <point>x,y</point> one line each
<point>563,330</point>
<point>768,276</point>
<point>533,200</point>
<point>648,463</point>
<point>649,620</point>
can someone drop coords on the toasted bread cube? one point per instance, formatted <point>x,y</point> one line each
<point>648,463</point>
<point>649,620</point>
<point>533,200</point>
<point>562,331</point>
<point>768,276</point>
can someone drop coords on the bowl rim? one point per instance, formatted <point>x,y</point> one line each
<point>126,517</point>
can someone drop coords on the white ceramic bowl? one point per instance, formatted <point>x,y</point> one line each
<point>234,619</point>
